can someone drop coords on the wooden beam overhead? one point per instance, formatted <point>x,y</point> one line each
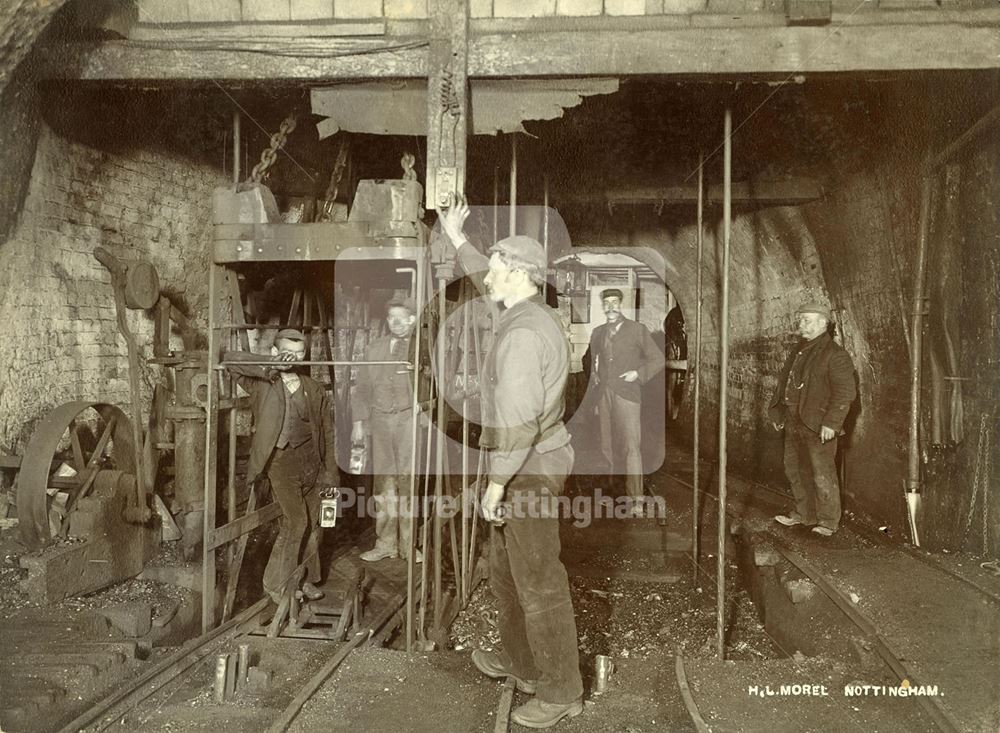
<point>750,50</point>
<point>447,101</point>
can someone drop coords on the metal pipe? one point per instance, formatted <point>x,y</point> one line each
<point>418,294</point>
<point>727,195</point>
<point>513,185</point>
<point>695,494</point>
<point>465,453</point>
<point>916,357</point>
<point>545,216</point>
<point>913,482</point>
<point>211,436</point>
<point>237,143</point>
<point>439,456</point>
<point>496,201</point>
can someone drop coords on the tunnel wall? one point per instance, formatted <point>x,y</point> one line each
<point>855,248</point>
<point>61,340</point>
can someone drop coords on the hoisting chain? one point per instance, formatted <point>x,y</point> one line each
<point>330,197</point>
<point>270,153</point>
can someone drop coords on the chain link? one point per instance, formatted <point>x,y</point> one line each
<point>330,197</point>
<point>270,153</point>
<point>408,162</point>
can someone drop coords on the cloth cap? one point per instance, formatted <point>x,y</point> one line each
<point>402,303</point>
<point>612,293</point>
<point>524,248</point>
<point>815,307</point>
<point>289,334</point>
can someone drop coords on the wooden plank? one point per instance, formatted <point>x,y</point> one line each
<point>246,523</point>
<point>887,42</point>
<point>184,32</point>
<point>447,100</point>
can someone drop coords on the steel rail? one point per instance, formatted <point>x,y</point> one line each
<point>938,713</point>
<point>115,706</point>
<point>689,703</point>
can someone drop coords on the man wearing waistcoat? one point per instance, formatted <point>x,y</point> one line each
<point>624,357</point>
<point>292,445</point>
<point>383,408</point>
<point>815,390</point>
<point>523,385</point>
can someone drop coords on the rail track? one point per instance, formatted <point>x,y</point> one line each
<point>940,715</point>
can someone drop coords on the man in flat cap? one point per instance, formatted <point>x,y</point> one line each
<point>383,408</point>
<point>815,390</point>
<point>293,446</point>
<point>624,357</point>
<point>523,385</point>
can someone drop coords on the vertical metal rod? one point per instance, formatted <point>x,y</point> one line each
<point>916,358</point>
<point>410,519</point>
<point>513,185</point>
<point>727,204</point>
<point>237,143</point>
<point>439,456</point>
<point>211,436</point>
<point>696,492</point>
<point>466,550</point>
<point>496,201</point>
<point>545,216</point>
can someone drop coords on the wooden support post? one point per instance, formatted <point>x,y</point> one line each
<point>447,100</point>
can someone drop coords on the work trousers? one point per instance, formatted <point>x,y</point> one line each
<point>293,473</point>
<point>621,434</point>
<point>536,621</point>
<point>392,451</point>
<point>810,466</point>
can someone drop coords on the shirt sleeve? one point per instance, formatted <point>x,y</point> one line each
<point>519,401</point>
<point>475,264</point>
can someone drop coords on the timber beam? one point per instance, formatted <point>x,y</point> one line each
<point>553,50</point>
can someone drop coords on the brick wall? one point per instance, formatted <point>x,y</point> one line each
<point>855,248</point>
<point>61,340</point>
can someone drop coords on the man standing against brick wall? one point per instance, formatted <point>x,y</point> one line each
<point>625,357</point>
<point>815,390</point>
<point>523,388</point>
<point>293,445</point>
<point>383,408</point>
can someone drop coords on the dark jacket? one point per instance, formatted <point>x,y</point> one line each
<point>828,387</point>
<point>267,400</point>
<point>632,348</point>
<point>383,387</point>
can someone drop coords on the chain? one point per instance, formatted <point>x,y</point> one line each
<point>270,153</point>
<point>330,197</point>
<point>408,162</point>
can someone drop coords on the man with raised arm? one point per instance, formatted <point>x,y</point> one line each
<point>523,385</point>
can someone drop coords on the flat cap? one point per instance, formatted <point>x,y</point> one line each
<point>815,307</point>
<point>612,293</point>
<point>290,334</point>
<point>402,303</point>
<point>524,248</point>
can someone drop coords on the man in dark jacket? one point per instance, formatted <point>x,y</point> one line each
<point>523,385</point>
<point>815,391</point>
<point>624,357</point>
<point>293,445</point>
<point>383,408</point>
